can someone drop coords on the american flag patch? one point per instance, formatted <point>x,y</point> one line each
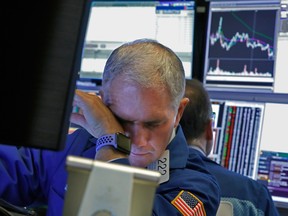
<point>188,204</point>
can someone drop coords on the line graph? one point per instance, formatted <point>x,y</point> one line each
<point>243,72</point>
<point>241,45</point>
<point>250,42</point>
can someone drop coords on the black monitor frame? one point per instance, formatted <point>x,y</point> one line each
<point>42,52</point>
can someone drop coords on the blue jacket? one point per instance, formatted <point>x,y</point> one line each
<point>29,175</point>
<point>248,196</point>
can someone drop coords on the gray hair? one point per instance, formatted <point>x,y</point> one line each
<point>149,64</point>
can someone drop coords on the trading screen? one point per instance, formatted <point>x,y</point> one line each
<point>250,139</point>
<point>113,23</point>
<point>242,46</point>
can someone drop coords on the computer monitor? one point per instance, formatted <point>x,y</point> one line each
<point>112,23</point>
<point>282,45</point>
<point>245,46</point>
<point>273,172</point>
<point>255,144</point>
<point>250,35</point>
<point>237,131</point>
<point>100,188</point>
<point>42,54</point>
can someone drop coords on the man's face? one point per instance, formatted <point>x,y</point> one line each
<point>147,118</point>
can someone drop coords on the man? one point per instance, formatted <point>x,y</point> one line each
<point>247,196</point>
<point>142,101</point>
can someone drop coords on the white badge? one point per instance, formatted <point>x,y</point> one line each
<point>162,166</point>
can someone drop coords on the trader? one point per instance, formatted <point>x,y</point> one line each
<point>141,102</point>
<point>245,196</point>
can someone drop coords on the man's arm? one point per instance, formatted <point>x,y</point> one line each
<point>98,120</point>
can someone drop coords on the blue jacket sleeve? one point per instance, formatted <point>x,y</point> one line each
<point>20,177</point>
<point>28,175</point>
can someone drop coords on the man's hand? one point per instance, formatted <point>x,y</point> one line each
<point>98,120</point>
<point>94,115</point>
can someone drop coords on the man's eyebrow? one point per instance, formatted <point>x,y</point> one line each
<point>157,121</point>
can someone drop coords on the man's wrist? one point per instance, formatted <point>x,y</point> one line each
<point>118,140</point>
<point>109,154</point>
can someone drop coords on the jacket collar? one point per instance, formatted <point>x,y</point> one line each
<point>178,149</point>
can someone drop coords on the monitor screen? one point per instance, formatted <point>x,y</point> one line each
<point>273,172</point>
<point>245,46</point>
<point>42,53</point>
<point>112,23</point>
<point>237,134</point>
<point>250,138</point>
<point>281,67</point>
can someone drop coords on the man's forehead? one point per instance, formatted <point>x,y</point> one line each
<point>138,107</point>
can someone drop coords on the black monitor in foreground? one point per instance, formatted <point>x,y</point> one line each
<point>42,50</point>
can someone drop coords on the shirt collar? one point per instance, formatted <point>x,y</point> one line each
<point>198,149</point>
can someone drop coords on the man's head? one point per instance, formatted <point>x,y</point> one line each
<point>149,64</point>
<point>143,85</point>
<point>196,120</point>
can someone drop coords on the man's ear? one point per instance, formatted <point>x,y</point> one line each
<point>181,108</point>
<point>209,130</point>
<point>209,137</point>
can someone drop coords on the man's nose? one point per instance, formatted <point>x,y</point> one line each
<point>139,135</point>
